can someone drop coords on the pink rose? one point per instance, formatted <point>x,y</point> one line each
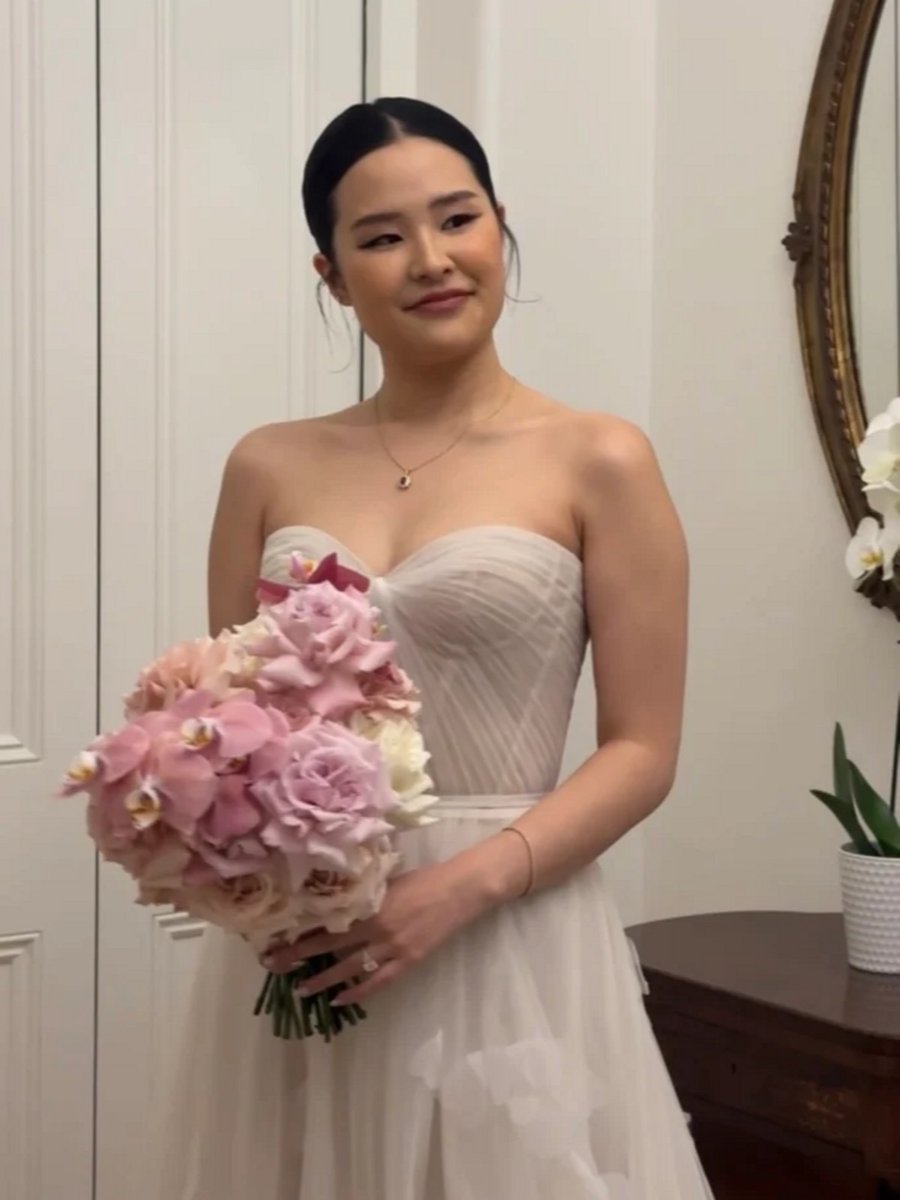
<point>389,692</point>
<point>205,664</point>
<point>318,640</point>
<point>333,794</point>
<point>293,707</point>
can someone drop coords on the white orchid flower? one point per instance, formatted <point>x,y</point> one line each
<point>886,420</point>
<point>872,547</point>
<point>879,455</point>
<point>886,502</point>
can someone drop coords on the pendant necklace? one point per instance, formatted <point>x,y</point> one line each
<point>404,483</point>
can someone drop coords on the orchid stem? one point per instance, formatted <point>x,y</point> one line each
<point>896,761</point>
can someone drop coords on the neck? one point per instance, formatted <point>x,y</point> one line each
<point>415,393</point>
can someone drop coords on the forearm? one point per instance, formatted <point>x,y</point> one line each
<point>620,785</point>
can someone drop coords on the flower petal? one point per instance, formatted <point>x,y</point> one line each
<point>122,752</point>
<point>243,728</point>
<point>189,785</point>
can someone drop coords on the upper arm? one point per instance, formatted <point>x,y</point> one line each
<point>238,530</point>
<point>636,590</point>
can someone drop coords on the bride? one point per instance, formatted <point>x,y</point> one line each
<point>506,1054</point>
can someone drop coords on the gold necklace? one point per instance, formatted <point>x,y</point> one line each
<point>405,480</point>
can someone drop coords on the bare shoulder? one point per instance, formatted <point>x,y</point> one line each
<point>601,450</point>
<point>615,482</point>
<point>610,451</point>
<point>263,450</point>
<point>259,444</point>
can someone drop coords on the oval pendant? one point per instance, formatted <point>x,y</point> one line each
<point>404,481</point>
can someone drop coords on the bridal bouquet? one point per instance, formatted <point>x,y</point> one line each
<point>262,776</point>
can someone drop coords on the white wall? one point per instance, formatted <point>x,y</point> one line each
<point>780,647</point>
<point>647,154</point>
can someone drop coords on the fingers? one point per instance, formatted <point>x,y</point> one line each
<point>353,967</point>
<point>374,983</point>
<point>285,958</point>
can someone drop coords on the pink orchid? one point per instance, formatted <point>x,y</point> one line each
<point>270,592</point>
<point>331,571</point>
<point>225,840</point>
<point>111,826</point>
<point>188,784</point>
<point>232,729</point>
<point>109,759</point>
<point>303,572</point>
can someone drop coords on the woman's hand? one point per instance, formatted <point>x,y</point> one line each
<point>422,910</point>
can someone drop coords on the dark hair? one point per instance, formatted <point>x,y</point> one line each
<point>362,128</point>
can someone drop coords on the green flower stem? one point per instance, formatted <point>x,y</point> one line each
<point>295,1016</point>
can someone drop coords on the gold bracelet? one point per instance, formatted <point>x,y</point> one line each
<point>513,829</point>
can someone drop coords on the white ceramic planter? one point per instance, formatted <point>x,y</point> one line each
<point>871,892</point>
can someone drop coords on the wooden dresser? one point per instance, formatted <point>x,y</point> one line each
<point>786,1059</point>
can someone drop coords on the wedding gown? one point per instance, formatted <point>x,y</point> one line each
<point>517,1061</point>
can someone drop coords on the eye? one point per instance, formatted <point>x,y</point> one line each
<point>460,220</point>
<point>383,239</point>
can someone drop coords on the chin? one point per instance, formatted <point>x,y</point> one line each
<point>444,345</point>
<point>440,341</point>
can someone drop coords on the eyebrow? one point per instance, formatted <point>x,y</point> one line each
<point>381,218</point>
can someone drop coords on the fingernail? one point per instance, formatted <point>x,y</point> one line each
<point>302,992</point>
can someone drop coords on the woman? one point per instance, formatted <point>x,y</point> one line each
<point>506,1055</point>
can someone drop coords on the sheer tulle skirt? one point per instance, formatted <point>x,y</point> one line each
<point>517,1063</point>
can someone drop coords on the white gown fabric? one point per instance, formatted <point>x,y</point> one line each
<point>517,1062</point>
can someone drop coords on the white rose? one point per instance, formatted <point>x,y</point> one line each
<point>335,901</point>
<point>403,750</point>
<point>254,905</point>
<point>265,910</point>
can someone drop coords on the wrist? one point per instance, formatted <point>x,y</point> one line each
<point>492,872</point>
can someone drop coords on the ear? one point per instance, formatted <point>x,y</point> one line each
<point>331,277</point>
<point>501,213</point>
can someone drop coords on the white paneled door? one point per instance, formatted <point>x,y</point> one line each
<point>209,328</point>
<point>48,592</point>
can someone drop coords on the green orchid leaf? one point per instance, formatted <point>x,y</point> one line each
<point>842,786</point>
<point>846,814</point>
<point>875,813</point>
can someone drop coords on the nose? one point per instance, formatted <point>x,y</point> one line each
<point>429,259</point>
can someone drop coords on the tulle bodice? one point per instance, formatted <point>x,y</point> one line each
<point>489,622</point>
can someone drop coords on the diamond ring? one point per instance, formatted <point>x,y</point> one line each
<point>369,964</point>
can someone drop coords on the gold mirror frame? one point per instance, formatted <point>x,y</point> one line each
<point>817,242</point>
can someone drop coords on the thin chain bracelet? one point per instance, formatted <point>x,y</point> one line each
<point>513,829</point>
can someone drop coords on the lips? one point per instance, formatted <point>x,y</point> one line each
<point>441,297</point>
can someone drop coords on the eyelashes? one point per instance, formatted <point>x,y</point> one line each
<point>454,222</point>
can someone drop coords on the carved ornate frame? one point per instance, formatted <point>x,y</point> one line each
<point>817,243</point>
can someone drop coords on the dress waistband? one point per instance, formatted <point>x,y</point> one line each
<point>497,806</point>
